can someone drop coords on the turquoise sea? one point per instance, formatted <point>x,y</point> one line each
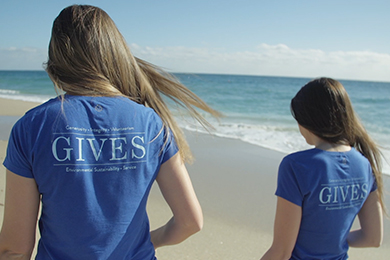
<point>255,108</point>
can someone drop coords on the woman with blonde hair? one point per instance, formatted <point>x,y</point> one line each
<point>321,190</point>
<point>92,155</point>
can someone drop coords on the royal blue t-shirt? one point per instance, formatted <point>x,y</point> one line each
<point>94,160</point>
<point>331,188</point>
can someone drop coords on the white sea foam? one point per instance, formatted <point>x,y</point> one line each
<point>284,139</point>
<point>29,98</point>
<point>9,92</point>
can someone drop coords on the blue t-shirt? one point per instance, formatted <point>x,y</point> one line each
<point>331,188</point>
<point>94,161</point>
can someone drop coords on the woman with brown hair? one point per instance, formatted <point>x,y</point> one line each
<point>321,190</point>
<point>92,155</point>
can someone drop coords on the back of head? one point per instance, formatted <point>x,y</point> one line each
<point>88,56</point>
<point>323,107</point>
<point>87,53</point>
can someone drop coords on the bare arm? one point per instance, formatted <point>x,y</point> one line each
<point>286,228</point>
<point>370,217</point>
<point>17,237</point>
<point>176,187</point>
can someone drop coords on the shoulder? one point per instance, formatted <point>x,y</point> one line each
<point>301,156</point>
<point>353,153</point>
<point>51,103</point>
<point>292,161</point>
<point>39,112</point>
<point>122,105</point>
<point>357,159</point>
<point>302,163</point>
<point>138,112</point>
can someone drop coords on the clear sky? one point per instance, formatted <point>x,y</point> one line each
<point>344,39</point>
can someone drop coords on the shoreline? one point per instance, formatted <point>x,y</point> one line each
<point>235,183</point>
<point>9,116</point>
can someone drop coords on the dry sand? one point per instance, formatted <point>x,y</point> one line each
<point>235,183</point>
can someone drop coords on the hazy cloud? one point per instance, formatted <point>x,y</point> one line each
<point>265,59</point>
<point>276,60</point>
<point>22,58</point>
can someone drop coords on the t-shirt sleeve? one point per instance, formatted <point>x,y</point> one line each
<point>374,186</point>
<point>288,186</point>
<point>170,147</point>
<point>18,159</point>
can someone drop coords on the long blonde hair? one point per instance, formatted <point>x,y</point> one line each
<point>323,107</point>
<point>88,56</point>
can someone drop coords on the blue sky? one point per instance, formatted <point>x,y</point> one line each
<point>334,38</point>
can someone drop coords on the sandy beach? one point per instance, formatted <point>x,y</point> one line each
<point>235,183</point>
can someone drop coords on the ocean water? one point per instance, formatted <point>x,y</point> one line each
<point>256,109</point>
